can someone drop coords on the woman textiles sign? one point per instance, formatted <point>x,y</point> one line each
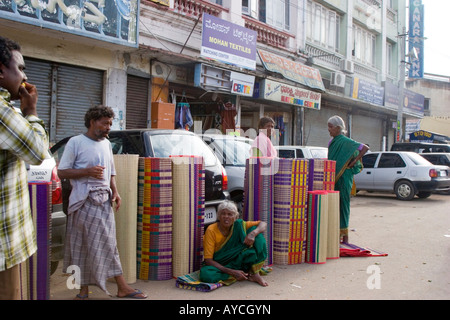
<point>229,43</point>
<point>106,20</point>
<point>279,92</point>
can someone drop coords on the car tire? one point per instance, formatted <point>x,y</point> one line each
<point>423,194</point>
<point>239,200</point>
<point>404,190</point>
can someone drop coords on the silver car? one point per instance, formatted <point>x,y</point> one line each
<point>404,173</point>
<point>233,152</point>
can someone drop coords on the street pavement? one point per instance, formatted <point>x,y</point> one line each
<point>415,235</point>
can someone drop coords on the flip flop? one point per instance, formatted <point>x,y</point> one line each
<point>133,295</point>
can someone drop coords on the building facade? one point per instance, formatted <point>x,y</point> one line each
<point>299,61</point>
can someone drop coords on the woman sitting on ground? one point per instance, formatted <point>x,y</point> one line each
<point>233,249</point>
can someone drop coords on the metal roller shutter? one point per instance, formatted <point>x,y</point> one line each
<point>137,102</point>
<point>78,90</point>
<point>39,73</point>
<point>368,130</point>
<point>316,126</point>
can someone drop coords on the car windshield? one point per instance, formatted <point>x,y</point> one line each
<point>181,144</point>
<point>233,152</point>
<point>417,159</point>
<point>319,153</point>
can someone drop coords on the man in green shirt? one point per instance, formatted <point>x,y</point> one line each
<point>23,139</point>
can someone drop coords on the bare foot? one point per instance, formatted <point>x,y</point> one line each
<point>256,277</point>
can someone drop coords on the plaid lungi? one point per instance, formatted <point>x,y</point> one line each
<point>91,241</point>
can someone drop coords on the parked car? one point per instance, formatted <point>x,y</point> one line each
<point>232,152</point>
<point>438,158</point>
<point>164,143</point>
<point>307,152</point>
<point>47,172</point>
<point>404,173</point>
<point>420,147</point>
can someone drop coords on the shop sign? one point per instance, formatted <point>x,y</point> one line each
<point>416,37</point>
<point>412,102</point>
<point>367,91</point>
<point>228,42</point>
<point>421,135</point>
<point>284,93</point>
<point>111,21</point>
<point>292,70</point>
<point>215,79</point>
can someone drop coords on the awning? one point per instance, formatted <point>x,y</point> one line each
<point>292,70</point>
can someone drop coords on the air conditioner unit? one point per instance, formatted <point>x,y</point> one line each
<point>347,66</point>
<point>337,79</point>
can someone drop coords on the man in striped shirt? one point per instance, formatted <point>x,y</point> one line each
<point>23,139</point>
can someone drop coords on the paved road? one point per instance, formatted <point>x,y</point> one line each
<point>415,234</point>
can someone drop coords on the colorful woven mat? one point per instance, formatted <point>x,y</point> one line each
<point>258,195</point>
<point>188,213</point>
<point>290,211</point>
<point>316,249</point>
<point>154,247</point>
<point>35,272</point>
<point>352,250</point>
<point>321,174</point>
<point>192,282</point>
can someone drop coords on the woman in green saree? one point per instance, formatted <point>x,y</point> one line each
<point>234,250</point>
<point>347,153</point>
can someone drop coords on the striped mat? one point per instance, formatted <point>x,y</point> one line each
<point>333,238</point>
<point>35,272</point>
<point>290,211</point>
<point>126,217</point>
<point>316,249</point>
<point>154,221</point>
<point>321,174</point>
<point>188,213</point>
<point>352,250</point>
<point>258,195</point>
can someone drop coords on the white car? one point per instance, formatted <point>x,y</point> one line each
<point>307,152</point>
<point>404,173</point>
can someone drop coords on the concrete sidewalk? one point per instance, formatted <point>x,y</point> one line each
<point>415,234</point>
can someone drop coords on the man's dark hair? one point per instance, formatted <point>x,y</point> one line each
<point>7,46</point>
<point>96,113</point>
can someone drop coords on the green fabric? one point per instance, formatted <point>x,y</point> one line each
<point>234,254</point>
<point>342,149</point>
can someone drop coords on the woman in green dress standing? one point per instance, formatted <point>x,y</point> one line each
<point>347,153</point>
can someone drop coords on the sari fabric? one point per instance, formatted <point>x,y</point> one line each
<point>234,254</point>
<point>343,150</point>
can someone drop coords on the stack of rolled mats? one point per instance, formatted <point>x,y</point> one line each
<point>258,195</point>
<point>154,231</point>
<point>188,213</point>
<point>35,272</point>
<point>290,211</point>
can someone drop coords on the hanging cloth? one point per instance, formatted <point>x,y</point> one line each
<point>183,117</point>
